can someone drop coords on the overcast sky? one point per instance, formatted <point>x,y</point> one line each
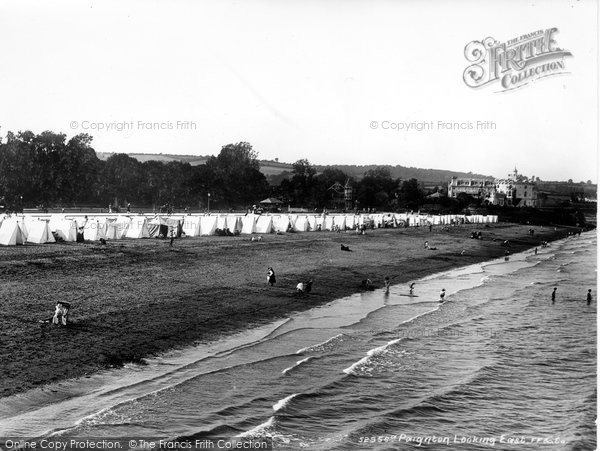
<point>302,79</point>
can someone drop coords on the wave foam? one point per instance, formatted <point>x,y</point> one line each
<point>320,346</point>
<point>284,402</point>
<point>261,430</point>
<point>373,352</point>
<point>298,363</point>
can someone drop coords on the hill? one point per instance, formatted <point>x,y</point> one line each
<point>272,168</point>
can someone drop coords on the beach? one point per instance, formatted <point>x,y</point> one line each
<point>132,299</point>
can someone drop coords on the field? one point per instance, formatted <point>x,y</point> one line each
<point>135,298</point>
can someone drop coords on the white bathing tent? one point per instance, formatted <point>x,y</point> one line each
<point>208,225</point>
<point>222,222</point>
<point>350,222</point>
<point>264,224</point>
<point>249,223</point>
<point>340,221</point>
<point>281,223</point>
<point>117,227</point>
<point>234,224</point>
<point>64,228</point>
<point>39,232</point>
<point>320,223</point>
<point>94,229</point>
<point>10,232</point>
<point>300,224</point>
<point>191,225</point>
<point>137,227</point>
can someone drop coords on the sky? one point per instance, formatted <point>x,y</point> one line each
<point>335,82</point>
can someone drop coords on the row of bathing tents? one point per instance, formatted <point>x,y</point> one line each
<point>32,229</point>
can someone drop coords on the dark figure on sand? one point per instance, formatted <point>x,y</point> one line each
<point>271,276</point>
<point>366,284</point>
<point>303,287</point>
<point>442,294</point>
<point>411,288</point>
<point>386,281</point>
<point>589,297</point>
<point>554,295</point>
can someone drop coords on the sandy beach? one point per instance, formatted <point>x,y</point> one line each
<point>136,298</point>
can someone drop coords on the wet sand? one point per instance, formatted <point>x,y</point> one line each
<point>135,298</point>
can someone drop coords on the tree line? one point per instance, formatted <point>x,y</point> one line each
<point>47,170</point>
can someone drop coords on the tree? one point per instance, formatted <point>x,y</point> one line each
<point>411,194</point>
<point>122,179</point>
<point>376,188</point>
<point>237,177</point>
<point>299,188</point>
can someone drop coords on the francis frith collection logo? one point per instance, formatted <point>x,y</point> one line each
<point>514,63</point>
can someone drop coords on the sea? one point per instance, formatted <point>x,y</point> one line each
<point>497,365</point>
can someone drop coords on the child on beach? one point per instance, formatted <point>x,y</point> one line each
<point>442,294</point>
<point>270,276</point>
<point>62,311</point>
<point>554,295</point>
<point>589,297</point>
<point>411,288</point>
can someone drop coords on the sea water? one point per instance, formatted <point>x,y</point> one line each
<point>497,365</point>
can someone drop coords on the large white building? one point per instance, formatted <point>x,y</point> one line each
<point>473,186</point>
<point>514,191</point>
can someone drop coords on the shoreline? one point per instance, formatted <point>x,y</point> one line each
<point>137,298</point>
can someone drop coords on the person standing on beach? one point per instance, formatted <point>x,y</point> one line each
<point>535,251</point>
<point>411,288</point>
<point>386,281</point>
<point>554,295</point>
<point>271,276</point>
<point>589,297</point>
<point>442,294</point>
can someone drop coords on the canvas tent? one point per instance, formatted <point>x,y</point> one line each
<point>208,225</point>
<point>301,224</point>
<point>340,221</point>
<point>234,224</point>
<point>94,229</point>
<point>117,227</point>
<point>65,229</point>
<point>222,222</point>
<point>191,225</point>
<point>281,223</point>
<point>264,224</point>
<point>39,233</point>
<point>138,228</point>
<point>10,232</point>
<point>350,222</point>
<point>249,223</point>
